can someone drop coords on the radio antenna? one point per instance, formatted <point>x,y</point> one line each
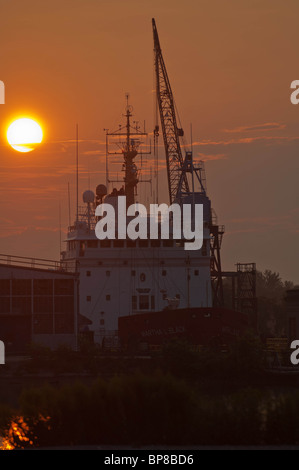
<point>77,175</point>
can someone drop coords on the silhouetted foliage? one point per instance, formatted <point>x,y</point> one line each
<point>271,291</point>
<point>149,410</point>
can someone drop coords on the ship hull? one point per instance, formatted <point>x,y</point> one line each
<point>200,327</point>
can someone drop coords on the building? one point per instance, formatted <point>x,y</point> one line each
<point>38,304</point>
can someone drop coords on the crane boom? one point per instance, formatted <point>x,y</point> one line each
<point>171,132</point>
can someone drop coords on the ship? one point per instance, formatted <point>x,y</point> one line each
<point>126,284</point>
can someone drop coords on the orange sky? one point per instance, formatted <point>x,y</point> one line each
<point>230,65</point>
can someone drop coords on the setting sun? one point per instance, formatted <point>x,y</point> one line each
<point>23,134</point>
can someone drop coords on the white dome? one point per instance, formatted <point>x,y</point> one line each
<point>88,196</point>
<point>101,190</point>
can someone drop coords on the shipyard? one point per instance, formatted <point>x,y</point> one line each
<point>147,328</point>
<point>152,273</point>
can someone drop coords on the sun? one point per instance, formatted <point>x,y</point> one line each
<point>24,134</point>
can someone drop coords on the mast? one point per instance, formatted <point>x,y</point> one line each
<point>130,152</point>
<point>77,175</point>
<point>129,149</point>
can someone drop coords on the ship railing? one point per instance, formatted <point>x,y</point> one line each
<point>38,263</point>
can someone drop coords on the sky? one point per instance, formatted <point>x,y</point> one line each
<point>230,64</point>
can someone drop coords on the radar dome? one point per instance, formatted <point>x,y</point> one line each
<point>88,196</point>
<point>101,190</point>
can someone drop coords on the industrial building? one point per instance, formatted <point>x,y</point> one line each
<point>38,304</point>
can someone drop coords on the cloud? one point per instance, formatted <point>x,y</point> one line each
<point>287,222</point>
<point>268,126</point>
<point>99,153</point>
<point>209,157</point>
<point>270,140</point>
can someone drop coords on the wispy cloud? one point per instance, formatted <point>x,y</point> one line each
<point>270,140</point>
<point>288,222</point>
<point>210,157</point>
<point>267,126</point>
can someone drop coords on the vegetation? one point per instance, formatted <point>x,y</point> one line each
<point>148,410</point>
<point>180,396</point>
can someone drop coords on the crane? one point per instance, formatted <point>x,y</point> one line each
<point>178,167</point>
<point>171,131</point>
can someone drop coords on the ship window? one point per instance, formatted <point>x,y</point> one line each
<point>107,273</point>
<point>82,248</point>
<point>196,272</point>
<point>88,298</point>
<point>133,273</point>
<point>143,302</point>
<point>92,243</point>
<point>72,245</point>
<point>152,302</point>
<point>179,243</point>
<point>108,297</point>
<point>134,302</point>
<point>155,243</point>
<point>105,243</point>
<point>143,243</point>
<point>118,243</point>
<point>164,272</point>
<point>88,273</point>
<point>131,243</point>
<point>168,243</point>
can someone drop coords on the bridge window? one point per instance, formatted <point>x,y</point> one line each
<point>144,302</point>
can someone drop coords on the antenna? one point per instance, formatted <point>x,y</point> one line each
<point>69,202</point>
<point>77,175</point>
<point>107,174</point>
<point>60,247</point>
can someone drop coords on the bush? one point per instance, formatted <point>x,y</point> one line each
<point>282,426</point>
<point>132,409</point>
<point>136,410</point>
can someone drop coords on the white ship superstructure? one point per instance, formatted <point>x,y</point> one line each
<point>123,276</point>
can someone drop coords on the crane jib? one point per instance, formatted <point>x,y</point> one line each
<point>171,131</point>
